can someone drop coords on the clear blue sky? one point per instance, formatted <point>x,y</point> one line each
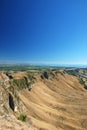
<point>43,31</point>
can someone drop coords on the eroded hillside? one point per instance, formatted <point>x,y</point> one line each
<point>54,101</point>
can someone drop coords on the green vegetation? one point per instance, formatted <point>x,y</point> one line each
<point>23,83</point>
<point>85,85</point>
<point>30,78</point>
<point>81,81</point>
<point>22,117</point>
<point>25,67</point>
<point>72,72</point>
<point>19,83</point>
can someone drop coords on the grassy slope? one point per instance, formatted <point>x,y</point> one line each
<point>60,103</point>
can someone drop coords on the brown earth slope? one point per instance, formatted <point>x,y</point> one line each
<point>56,103</point>
<point>59,103</point>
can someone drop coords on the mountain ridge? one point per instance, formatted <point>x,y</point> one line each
<point>57,101</point>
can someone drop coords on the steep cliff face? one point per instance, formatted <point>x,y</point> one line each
<point>11,106</point>
<point>56,102</point>
<point>9,94</point>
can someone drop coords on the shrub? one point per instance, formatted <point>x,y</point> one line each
<point>85,86</point>
<point>20,83</point>
<point>72,72</point>
<point>22,117</point>
<point>81,81</point>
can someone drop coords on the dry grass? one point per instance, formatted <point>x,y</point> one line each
<point>57,104</point>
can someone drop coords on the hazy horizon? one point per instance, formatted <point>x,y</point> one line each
<point>43,64</point>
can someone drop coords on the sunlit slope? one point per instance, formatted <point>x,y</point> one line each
<point>57,104</point>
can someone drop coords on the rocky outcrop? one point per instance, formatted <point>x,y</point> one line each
<point>9,122</point>
<point>45,75</point>
<point>10,102</point>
